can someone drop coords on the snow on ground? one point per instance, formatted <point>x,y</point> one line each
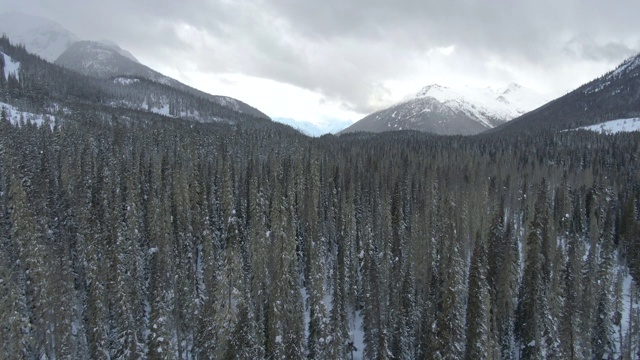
<point>615,126</point>
<point>356,331</point>
<point>17,117</point>
<point>357,334</point>
<point>10,66</point>
<point>164,110</point>
<point>125,81</point>
<point>627,306</point>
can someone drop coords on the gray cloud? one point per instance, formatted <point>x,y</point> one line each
<point>586,47</point>
<point>346,50</point>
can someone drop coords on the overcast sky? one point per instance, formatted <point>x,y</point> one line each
<point>337,59</point>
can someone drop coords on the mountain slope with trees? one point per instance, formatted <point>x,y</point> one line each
<point>615,95</point>
<point>107,62</point>
<point>42,87</point>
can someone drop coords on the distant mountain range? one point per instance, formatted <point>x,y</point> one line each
<point>101,59</point>
<point>111,76</point>
<point>314,129</point>
<point>449,111</point>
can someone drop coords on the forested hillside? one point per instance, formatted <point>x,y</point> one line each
<point>176,240</point>
<point>41,87</point>
<point>613,96</point>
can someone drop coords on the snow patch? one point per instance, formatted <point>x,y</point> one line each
<point>17,117</point>
<point>10,66</point>
<point>356,332</point>
<point>614,126</point>
<point>164,110</point>
<point>125,81</point>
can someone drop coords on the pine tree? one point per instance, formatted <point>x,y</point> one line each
<point>449,334</point>
<point>571,311</point>
<point>602,333</point>
<point>478,304</point>
<point>532,311</point>
<point>629,236</point>
<point>507,294</point>
<point>285,319</point>
<point>161,340</point>
<point>372,324</point>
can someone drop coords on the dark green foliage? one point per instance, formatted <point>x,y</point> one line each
<point>168,239</point>
<point>478,304</point>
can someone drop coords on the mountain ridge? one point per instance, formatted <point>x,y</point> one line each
<point>614,95</point>
<point>447,111</point>
<point>48,89</point>
<point>105,61</point>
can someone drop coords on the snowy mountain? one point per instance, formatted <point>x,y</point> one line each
<point>118,49</point>
<point>313,129</point>
<point>448,111</point>
<point>44,37</point>
<point>615,95</point>
<point>104,60</point>
<point>108,61</point>
<point>36,87</point>
<point>40,36</point>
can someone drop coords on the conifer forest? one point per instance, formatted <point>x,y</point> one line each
<point>130,238</point>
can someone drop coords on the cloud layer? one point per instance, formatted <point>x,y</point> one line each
<point>362,54</point>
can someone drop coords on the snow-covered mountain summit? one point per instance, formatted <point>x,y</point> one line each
<point>453,111</point>
<point>487,105</point>
<point>101,59</point>
<point>40,36</point>
<point>45,37</point>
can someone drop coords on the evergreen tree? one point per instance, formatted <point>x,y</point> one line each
<point>532,311</point>
<point>478,304</point>
<point>449,334</point>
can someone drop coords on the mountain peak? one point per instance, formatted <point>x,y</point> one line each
<point>511,88</point>
<point>454,111</point>
<point>429,89</point>
<point>40,36</point>
<point>113,46</point>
